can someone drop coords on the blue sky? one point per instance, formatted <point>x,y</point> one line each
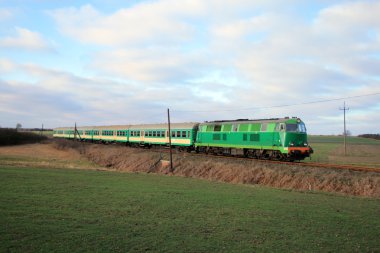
<point>125,62</point>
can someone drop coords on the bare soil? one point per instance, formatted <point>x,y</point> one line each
<point>44,155</point>
<point>39,150</point>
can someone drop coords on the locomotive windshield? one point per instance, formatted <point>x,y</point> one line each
<point>300,127</point>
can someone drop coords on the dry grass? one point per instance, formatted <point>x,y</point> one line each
<point>44,155</point>
<point>234,171</point>
<point>279,176</point>
<point>357,154</point>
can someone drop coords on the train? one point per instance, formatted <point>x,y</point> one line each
<point>274,139</point>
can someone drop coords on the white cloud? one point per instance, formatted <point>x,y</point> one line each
<point>25,39</point>
<point>6,65</point>
<point>152,23</point>
<point>5,14</point>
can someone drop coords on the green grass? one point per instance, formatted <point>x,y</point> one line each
<point>313,139</point>
<point>45,210</point>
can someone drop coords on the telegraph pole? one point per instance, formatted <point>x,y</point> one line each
<point>344,109</point>
<point>75,131</point>
<point>170,143</point>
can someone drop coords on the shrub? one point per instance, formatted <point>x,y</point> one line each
<point>13,137</point>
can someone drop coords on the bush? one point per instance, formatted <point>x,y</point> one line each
<point>371,136</point>
<point>12,137</point>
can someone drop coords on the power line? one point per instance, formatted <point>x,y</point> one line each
<point>284,105</point>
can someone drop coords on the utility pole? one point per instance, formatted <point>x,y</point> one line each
<point>42,130</point>
<point>170,143</point>
<point>75,131</point>
<point>344,109</point>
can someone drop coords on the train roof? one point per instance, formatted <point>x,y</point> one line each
<point>190,125</point>
<point>245,121</point>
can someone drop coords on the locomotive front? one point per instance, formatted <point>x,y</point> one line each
<point>294,139</point>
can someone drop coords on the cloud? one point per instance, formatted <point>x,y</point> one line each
<point>150,64</point>
<point>152,22</point>
<point>25,39</point>
<point>6,65</point>
<point>5,14</point>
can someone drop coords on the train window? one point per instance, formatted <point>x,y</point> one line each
<point>264,127</point>
<point>217,128</point>
<point>183,134</point>
<point>291,127</point>
<point>163,133</point>
<point>173,133</point>
<point>209,128</point>
<point>178,134</point>
<point>282,127</point>
<point>301,127</point>
<point>234,127</point>
<point>154,133</point>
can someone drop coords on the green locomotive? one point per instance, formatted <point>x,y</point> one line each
<point>279,139</point>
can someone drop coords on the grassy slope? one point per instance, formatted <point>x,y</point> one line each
<point>65,210</point>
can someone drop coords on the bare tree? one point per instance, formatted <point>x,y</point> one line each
<point>18,126</point>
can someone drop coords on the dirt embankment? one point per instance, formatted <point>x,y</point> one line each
<point>230,170</point>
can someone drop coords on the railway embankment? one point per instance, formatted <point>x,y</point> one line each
<point>252,172</point>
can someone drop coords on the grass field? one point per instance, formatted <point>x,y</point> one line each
<point>60,210</point>
<point>360,151</point>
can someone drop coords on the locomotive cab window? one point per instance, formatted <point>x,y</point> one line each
<point>291,127</point>
<point>301,127</point>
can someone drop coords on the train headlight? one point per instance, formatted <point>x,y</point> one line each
<point>305,144</point>
<point>291,144</point>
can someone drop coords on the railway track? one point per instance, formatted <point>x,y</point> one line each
<point>301,164</point>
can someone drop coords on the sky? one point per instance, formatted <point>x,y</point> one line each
<point>125,62</point>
